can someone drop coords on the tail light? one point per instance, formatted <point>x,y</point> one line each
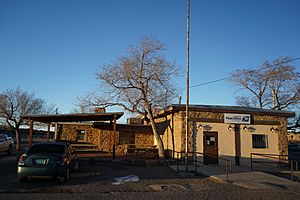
<point>22,159</point>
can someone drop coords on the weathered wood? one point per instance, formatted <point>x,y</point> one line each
<point>48,132</point>
<point>30,132</point>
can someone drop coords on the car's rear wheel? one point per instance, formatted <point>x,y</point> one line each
<point>65,177</point>
<point>75,166</point>
<point>22,178</point>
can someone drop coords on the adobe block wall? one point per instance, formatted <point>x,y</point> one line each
<point>282,133</point>
<point>177,129</point>
<point>170,130</point>
<point>103,139</point>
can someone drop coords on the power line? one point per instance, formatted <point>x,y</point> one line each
<point>226,78</point>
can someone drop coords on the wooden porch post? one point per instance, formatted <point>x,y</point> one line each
<point>237,135</point>
<point>30,132</point>
<point>114,140</point>
<point>48,132</point>
<point>56,130</point>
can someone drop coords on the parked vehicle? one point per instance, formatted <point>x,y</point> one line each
<point>5,144</point>
<point>50,159</point>
<point>9,138</point>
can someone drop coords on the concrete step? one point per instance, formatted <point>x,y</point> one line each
<point>88,150</point>
<point>78,147</point>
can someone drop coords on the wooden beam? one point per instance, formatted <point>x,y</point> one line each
<point>262,122</point>
<point>55,132</point>
<point>48,132</point>
<point>237,138</point>
<point>212,120</point>
<point>30,132</point>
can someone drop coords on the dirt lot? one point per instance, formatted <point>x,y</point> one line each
<point>95,180</point>
<point>97,174</point>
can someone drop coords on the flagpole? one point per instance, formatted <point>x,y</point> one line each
<point>187,84</point>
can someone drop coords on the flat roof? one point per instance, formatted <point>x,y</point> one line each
<point>224,109</point>
<point>81,117</point>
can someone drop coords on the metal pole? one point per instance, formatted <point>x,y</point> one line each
<point>114,140</point>
<point>227,171</point>
<point>251,161</point>
<point>292,166</point>
<point>177,159</point>
<point>187,84</point>
<point>196,162</point>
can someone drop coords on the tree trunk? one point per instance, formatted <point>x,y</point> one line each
<point>158,139</point>
<point>18,139</point>
<point>156,135</point>
<point>260,103</point>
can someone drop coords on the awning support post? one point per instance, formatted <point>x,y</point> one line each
<point>114,140</point>
<point>48,132</point>
<point>30,132</point>
<point>56,130</point>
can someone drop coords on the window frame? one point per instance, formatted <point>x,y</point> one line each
<point>80,135</point>
<point>130,137</point>
<point>260,142</point>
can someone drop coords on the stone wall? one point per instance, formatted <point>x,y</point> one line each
<point>69,132</point>
<point>170,130</point>
<point>177,129</point>
<point>102,139</point>
<point>282,133</point>
<point>293,137</point>
<point>143,140</point>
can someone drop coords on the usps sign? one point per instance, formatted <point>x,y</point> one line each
<point>237,118</point>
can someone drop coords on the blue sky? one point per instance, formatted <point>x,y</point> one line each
<point>54,47</point>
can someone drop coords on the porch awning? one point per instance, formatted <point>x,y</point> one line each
<point>141,128</point>
<point>82,117</point>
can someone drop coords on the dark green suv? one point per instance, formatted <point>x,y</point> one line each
<point>51,159</point>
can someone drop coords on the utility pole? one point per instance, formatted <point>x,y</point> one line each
<point>187,84</point>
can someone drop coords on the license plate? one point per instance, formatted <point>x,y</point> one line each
<point>41,161</point>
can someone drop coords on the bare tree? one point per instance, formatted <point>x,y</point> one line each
<point>284,84</point>
<point>139,82</point>
<point>16,103</point>
<point>275,85</point>
<point>294,122</point>
<point>82,107</point>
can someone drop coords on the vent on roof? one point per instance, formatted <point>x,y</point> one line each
<point>100,110</point>
<point>135,120</point>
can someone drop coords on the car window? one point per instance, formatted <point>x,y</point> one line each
<point>1,138</point>
<point>47,149</point>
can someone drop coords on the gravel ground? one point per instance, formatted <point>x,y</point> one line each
<point>95,181</point>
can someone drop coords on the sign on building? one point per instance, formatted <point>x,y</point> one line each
<point>237,118</point>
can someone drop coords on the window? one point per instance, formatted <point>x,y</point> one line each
<point>126,137</point>
<point>259,141</point>
<point>80,135</point>
<point>47,149</point>
<point>210,140</point>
